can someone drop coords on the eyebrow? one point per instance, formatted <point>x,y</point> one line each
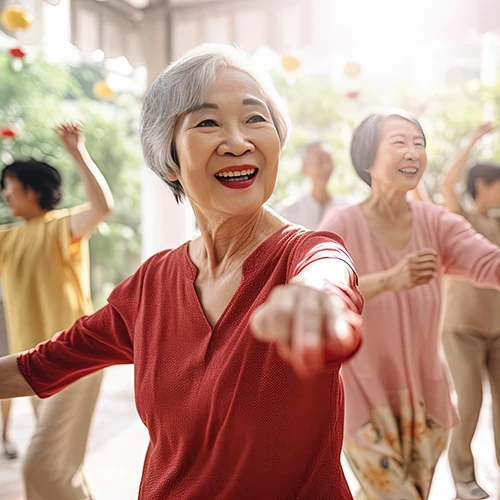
<point>250,101</point>
<point>402,135</point>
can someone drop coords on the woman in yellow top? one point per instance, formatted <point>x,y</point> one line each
<point>44,268</point>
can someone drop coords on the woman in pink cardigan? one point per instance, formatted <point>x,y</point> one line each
<point>398,409</point>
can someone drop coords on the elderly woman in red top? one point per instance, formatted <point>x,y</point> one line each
<point>237,337</point>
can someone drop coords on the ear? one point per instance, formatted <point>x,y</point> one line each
<point>33,195</point>
<point>172,176</point>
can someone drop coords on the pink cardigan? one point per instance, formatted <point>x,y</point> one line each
<point>401,349</point>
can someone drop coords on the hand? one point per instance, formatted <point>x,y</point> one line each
<point>413,270</point>
<point>482,130</point>
<point>71,136</point>
<point>309,326</point>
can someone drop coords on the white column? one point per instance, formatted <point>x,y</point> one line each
<point>165,224</point>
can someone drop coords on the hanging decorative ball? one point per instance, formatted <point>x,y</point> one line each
<point>17,53</point>
<point>9,131</point>
<point>16,18</point>
<point>352,69</point>
<point>290,63</point>
<point>352,94</point>
<point>102,90</point>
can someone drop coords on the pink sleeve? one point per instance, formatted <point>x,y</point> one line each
<point>466,253</point>
<point>94,342</point>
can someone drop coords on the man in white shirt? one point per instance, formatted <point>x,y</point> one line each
<point>308,210</point>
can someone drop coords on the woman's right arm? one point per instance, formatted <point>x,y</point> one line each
<point>455,170</point>
<point>12,383</point>
<point>412,270</point>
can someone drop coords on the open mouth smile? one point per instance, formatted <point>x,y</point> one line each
<point>236,178</point>
<point>409,170</point>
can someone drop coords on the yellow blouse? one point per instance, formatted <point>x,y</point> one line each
<point>45,276</point>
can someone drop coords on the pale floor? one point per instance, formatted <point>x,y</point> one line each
<point>118,444</point>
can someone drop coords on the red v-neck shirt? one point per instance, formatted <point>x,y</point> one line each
<point>228,419</point>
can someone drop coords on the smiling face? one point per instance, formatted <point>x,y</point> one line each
<point>228,148</point>
<point>20,200</point>
<point>401,158</point>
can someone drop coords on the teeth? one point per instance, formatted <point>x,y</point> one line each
<point>408,170</point>
<point>237,173</point>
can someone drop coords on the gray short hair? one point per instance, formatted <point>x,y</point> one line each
<point>183,86</point>
<point>365,139</point>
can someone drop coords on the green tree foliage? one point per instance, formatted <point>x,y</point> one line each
<point>321,111</point>
<point>42,95</point>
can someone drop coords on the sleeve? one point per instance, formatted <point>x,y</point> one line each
<point>94,342</point>
<point>61,231</point>
<point>466,253</point>
<point>318,245</point>
<point>340,281</point>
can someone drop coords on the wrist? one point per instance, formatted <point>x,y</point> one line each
<point>387,280</point>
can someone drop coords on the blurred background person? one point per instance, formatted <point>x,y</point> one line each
<point>471,321</point>
<point>317,166</point>
<point>398,407</point>
<point>45,277</point>
<point>9,451</point>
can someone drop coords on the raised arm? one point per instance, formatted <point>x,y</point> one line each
<point>466,253</point>
<point>455,169</point>
<point>98,192</point>
<point>12,383</point>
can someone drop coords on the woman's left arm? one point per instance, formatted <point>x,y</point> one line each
<point>314,319</point>
<point>466,253</point>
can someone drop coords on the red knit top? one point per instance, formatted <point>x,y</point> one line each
<point>227,417</point>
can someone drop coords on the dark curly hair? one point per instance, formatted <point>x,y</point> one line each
<point>39,176</point>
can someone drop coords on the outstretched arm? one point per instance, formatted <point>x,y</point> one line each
<point>456,167</point>
<point>12,383</point>
<point>98,192</point>
<point>314,319</point>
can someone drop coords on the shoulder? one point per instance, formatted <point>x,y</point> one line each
<point>151,274</point>
<point>298,245</point>
<point>337,218</point>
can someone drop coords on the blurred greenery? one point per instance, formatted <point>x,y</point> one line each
<point>40,96</point>
<point>321,111</point>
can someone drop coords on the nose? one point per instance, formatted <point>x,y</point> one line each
<point>412,153</point>
<point>235,143</point>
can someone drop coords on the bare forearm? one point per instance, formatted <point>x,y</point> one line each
<point>12,383</point>
<point>98,191</point>
<point>374,284</point>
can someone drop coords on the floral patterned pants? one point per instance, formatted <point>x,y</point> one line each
<point>394,457</point>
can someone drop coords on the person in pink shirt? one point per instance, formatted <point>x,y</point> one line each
<point>237,337</point>
<point>398,408</point>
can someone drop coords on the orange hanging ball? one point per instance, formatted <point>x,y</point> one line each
<point>16,18</point>
<point>352,69</point>
<point>102,90</point>
<point>290,63</point>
